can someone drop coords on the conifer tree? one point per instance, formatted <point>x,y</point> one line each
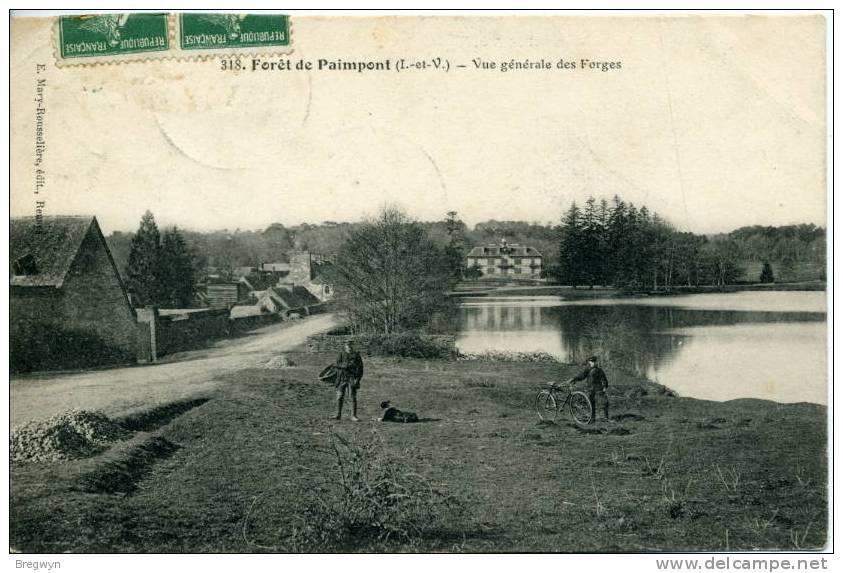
<point>571,247</point>
<point>455,250</point>
<point>142,271</point>
<point>177,271</point>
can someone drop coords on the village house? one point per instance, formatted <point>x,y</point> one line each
<point>221,293</point>
<point>253,285</point>
<point>509,261</point>
<point>68,305</point>
<point>286,300</point>
<point>308,270</point>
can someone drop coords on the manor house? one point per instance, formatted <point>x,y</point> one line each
<point>510,261</point>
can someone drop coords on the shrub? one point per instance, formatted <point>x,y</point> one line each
<point>372,496</point>
<point>508,356</point>
<point>407,345</point>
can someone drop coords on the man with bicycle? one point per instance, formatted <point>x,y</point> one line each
<point>596,386</point>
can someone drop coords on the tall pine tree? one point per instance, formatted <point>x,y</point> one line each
<point>571,269</point>
<point>142,272</point>
<point>177,271</point>
<point>456,248</point>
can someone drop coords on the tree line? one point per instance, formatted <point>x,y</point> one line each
<point>599,243</point>
<point>226,250</point>
<point>618,244</point>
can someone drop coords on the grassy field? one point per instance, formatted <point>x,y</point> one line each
<point>256,466</point>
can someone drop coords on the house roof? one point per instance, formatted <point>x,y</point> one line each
<point>293,297</point>
<point>495,251</point>
<point>53,245</point>
<point>256,282</point>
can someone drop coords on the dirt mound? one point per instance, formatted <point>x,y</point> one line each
<point>279,362</point>
<point>69,435</point>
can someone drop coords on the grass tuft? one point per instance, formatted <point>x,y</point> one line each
<point>370,495</point>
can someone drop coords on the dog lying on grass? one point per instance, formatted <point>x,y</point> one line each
<point>393,414</point>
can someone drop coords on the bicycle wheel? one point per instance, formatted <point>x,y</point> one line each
<point>580,407</point>
<point>546,406</point>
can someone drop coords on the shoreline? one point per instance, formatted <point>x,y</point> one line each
<point>569,292</point>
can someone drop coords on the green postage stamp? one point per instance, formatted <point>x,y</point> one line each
<point>112,34</point>
<point>227,31</point>
<point>101,38</point>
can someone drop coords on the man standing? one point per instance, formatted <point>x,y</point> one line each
<point>349,367</point>
<point>596,388</point>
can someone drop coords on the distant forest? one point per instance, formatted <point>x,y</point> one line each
<point>616,243</point>
<point>600,242</point>
<point>226,250</point>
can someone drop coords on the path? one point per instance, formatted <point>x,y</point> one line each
<point>120,390</point>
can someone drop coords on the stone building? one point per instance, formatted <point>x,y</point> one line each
<point>68,305</point>
<point>225,294</point>
<point>308,270</point>
<point>506,261</point>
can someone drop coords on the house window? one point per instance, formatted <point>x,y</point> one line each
<point>517,270</point>
<point>25,265</point>
<point>517,260</point>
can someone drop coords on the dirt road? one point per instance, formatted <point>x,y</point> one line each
<point>122,390</point>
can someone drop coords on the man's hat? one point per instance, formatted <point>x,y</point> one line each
<point>385,404</point>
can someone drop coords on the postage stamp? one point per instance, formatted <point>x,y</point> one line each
<point>112,35</point>
<point>232,31</point>
<point>114,38</point>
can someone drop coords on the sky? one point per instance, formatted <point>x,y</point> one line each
<point>713,122</point>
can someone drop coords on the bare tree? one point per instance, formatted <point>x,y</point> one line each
<point>389,276</point>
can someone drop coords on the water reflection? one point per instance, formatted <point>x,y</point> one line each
<point>696,349</point>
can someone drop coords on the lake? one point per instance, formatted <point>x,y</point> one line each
<point>769,345</point>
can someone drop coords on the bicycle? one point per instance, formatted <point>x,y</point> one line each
<point>550,400</point>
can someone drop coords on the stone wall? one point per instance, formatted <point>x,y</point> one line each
<point>247,323</point>
<point>179,332</point>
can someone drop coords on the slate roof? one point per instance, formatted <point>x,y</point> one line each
<point>495,251</point>
<point>293,297</point>
<point>257,282</point>
<point>53,245</point>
